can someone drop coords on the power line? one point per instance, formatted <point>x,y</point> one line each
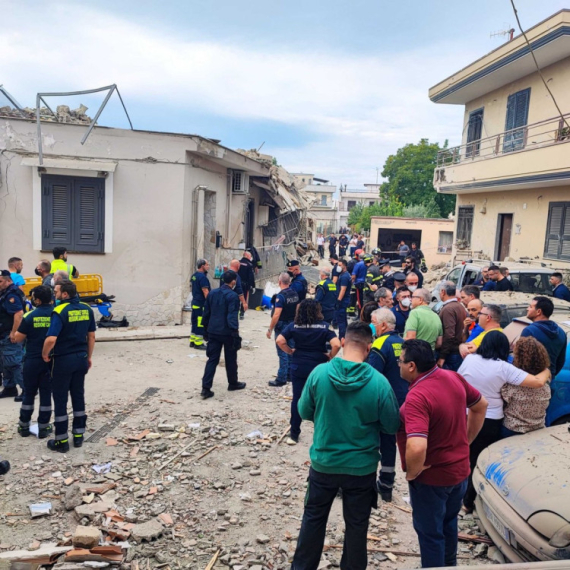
<point>536,64</point>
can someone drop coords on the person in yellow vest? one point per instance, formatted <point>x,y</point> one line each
<point>59,262</point>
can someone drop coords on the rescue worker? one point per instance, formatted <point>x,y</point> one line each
<point>332,244</point>
<point>11,352</point>
<point>359,279</point>
<point>343,285</point>
<point>298,281</point>
<point>200,290</point>
<point>235,267</point>
<point>284,309</point>
<point>335,268</point>
<point>326,294</point>
<point>32,331</point>
<point>388,274</point>
<point>383,357</point>
<point>221,324</point>
<point>351,309</point>
<point>255,259</point>
<point>342,245</point>
<point>60,263</point>
<point>310,333</point>
<point>374,279</point>
<point>68,348</point>
<point>246,274</point>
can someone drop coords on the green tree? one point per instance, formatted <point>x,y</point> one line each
<point>409,175</point>
<point>360,216</point>
<point>428,210</point>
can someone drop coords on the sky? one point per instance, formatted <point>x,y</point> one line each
<point>328,87</point>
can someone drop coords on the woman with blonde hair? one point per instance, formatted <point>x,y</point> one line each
<point>525,408</point>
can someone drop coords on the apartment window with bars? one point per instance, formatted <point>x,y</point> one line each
<point>237,181</point>
<point>465,224</point>
<point>73,213</point>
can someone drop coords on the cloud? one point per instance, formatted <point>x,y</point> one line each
<point>356,109</point>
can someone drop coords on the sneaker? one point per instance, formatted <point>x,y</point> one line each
<point>19,398</point>
<point>291,441</point>
<point>9,392</point>
<point>59,445</point>
<point>205,393</point>
<point>24,432</point>
<point>44,432</point>
<point>238,386</point>
<point>276,384</point>
<point>77,439</point>
<point>200,346</point>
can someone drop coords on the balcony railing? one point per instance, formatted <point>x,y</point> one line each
<point>537,135</point>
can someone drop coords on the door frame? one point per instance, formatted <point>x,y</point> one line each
<point>498,234</point>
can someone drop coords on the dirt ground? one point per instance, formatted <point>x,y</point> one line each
<point>244,499</point>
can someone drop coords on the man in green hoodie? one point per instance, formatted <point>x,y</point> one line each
<point>351,405</point>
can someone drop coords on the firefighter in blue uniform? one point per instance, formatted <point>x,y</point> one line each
<point>326,294</point>
<point>384,357</point>
<point>200,290</point>
<point>11,352</point>
<point>284,309</point>
<point>343,285</point>
<point>221,324</point>
<point>68,348</point>
<point>298,281</point>
<point>33,330</point>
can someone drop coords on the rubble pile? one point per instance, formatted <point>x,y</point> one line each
<point>63,114</point>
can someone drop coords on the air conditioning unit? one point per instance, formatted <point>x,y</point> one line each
<point>239,182</point>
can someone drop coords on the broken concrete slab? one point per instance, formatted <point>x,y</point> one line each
<point>147,531</point>
<point>86,537</point>
<point>73,497</point>
<point>92,510</point>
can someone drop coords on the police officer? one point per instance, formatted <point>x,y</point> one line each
<point>33,330</point>
<point>68,348</point>
<point>343,285</point>
<point>200,290</point>
<point>326,294</point>
<point>221,324</point>
<point>342,245</point>
<point>384,357</point>
<point>359,278</point>
<point>388,274</point>
<point>284,309</point>
<point>298,281</point>
<point>59,262</point>
<point>247,276</point>
<point>374,279</point>
<point>11,351</point>
<point>332,244</point>
<point>351,309</point>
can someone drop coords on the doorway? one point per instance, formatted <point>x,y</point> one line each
<point>249,223</point>
<point>504,231</point>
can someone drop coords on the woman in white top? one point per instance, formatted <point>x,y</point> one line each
<point>488,371</point>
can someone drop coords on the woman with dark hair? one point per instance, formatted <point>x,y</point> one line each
<point>488,371</point>
<point>525,408</point>
<point>311,335</point>
<point>366,315</point>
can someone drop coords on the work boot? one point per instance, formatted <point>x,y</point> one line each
<point>23,431</point>
<point>9,392</point>
<point>238,386</point>
<point>206,393</point>
<point>385,493</point>
<point>276,384</point>
<point>59,445</point>
<point>77,439</point>
<point>192,344</point>
<point>291,441</point>
<point>200,346</point>
<point>44,432</point>
<point>19,398</point>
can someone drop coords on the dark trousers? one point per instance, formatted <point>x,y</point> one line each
<point>68,378</point>
<point>341,321</point>
<point>341,251</point>
<point>359,496</point>
<point>434,514</point>
<point>332,250</point>
<point>321,249</point>
<point>506,432</point>
<point>359,296</point>
<point>11,354</point>
<point>213,352</point>
<point>284,371</point>
<point>197,330</point>
<point>490,433</point>
<point>388,461</point>
<point>36,379</point>
<point>453,362</point>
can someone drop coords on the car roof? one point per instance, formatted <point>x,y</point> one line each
<point>512,267</point>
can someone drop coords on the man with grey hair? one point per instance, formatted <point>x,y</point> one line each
<point>384,357</point>
<point>423,323</point>
<point>284,309</point>
<point>489,319</point>
<point>200,289</point>
<point>235,266</point>
<point>384,297</point>
<point>43,270</point>
<point>327,295</point>
<point>60,276</point>
<point>452,317</point>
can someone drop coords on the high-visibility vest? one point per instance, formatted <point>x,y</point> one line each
<point>61,265</point>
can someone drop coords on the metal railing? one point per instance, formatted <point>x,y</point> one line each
<point>537,135</point>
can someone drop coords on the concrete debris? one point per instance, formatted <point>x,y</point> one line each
<point>63,112</point>
<point>86,537</point>
<point>494,554</point>
<point>147,531</point>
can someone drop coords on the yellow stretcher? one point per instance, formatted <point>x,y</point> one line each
<point>89,285</point>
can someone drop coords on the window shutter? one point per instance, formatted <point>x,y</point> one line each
<point>554,230</point>
<point>565,237</point>
<point>89,197</point>
<point>517,116</point>
<point>56,212</point>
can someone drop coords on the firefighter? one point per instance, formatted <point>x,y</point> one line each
<point>326,294</point>
<point>200,289</point>
<point>374,279</point>
<point>344,285</point>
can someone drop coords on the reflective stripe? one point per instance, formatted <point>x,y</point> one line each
<point>60,418</point>
<point>42,426</point>
<point>62,438</point>
<point>199,323</point>
<point>24,424</point>
<point>28,407</point>
<point>78,432</point>
<point>45,408</point>
<point>196,307</point>
<point>78,414</point>
<point>388,469</point>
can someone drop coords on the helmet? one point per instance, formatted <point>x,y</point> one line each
<point>368,258</point>
<point>376,251</point>
<point>358,252</point>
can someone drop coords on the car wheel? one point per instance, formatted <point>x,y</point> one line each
<point>562,420</point>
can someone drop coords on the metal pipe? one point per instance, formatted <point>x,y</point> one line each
<point>98,114</point>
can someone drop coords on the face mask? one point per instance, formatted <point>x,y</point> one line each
<point>37,272</point>
<point>52,282</point>
<point>290,274</point>
<point>57,302</point>
<point>406,302</point>
<point>412,288</point>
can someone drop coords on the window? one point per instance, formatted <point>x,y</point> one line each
<point>454,275</point>
<point>445,242</point>
<point>237,181</point>
<point>517,116</point>
<point>465,225</point>
<point>73,213</point>
<point>351,204</point>
<point>474,131</point>
<point>371,203</point>
<point>324,200</point>
<point>557,245</point>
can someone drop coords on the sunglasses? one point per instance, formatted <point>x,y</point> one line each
<point>400,362</point>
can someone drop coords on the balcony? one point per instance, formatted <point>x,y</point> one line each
<point>535,155</point>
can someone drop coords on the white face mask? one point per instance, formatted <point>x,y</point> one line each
<point>52,282</point>
<point>412,288</point>
<point>406,302</point>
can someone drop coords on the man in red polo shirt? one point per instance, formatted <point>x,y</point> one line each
<point>434,440</point>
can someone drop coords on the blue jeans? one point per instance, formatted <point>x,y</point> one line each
<point>434,515</point>
<point>453,362</point>
<point>506,432</point>
<point>11,354</point>
<point>284,372</point>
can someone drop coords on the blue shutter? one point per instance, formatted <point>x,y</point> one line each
<point>517,116</point>
<point>89,197</point>
<point>56,212</point>
<point>557,245</point>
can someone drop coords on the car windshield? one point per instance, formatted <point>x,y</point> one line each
<point>531,282</point>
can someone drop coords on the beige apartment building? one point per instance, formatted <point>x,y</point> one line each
<point>350,197</point>
<point>511,174</point>
<point>323,210</point>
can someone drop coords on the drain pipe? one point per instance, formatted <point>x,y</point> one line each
<point>194,242</point>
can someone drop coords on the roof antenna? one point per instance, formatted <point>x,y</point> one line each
<point>506,31</point>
